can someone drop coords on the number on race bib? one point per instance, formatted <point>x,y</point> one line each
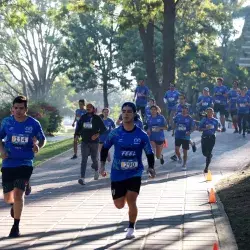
<point>125,165</point>
<point>87,125</point>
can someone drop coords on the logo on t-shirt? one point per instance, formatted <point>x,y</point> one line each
<point>137,141</point>
<point>28,129</point>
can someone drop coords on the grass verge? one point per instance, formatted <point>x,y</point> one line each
<point>51,149</point>
<point>234,193</point>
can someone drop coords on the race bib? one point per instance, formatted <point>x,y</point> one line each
<point>154,129</point>
<point>182,127</point>
<point>210,126</point>
<point>19,140</point>
<point>107,127</point>
<point>217,101</point>
<point>87,125</point>
<point>128,164</point>
<point>171,99</point>
<point>242,105</point>
<point>205,104</point>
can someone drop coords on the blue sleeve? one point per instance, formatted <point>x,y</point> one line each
<point>164,122</point>
<point>110,140</point>
<point>166,95</point>
<point>136,89</point>
<point>39,134</point>
<point>2,130</point>
<point>147,91</point>
<point>113,124</point>
<point>199,99</point>
<point>202,122</point>
<point>175,119</point>
<point>147,146</point>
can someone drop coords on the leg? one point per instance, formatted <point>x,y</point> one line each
<point>235,118</point>
<point>244,123</point>
<point>159,151</point>
<point>171,116</point>
<point>120,202</point>
<point>222,120</point>
<point>239,123</point>
<point>18,203</point>
<point>75,146</point>
<point>184,156</point>
<point>85,154</point>
<point>131,201</point>
<point>9,197</point>
<point>153,146</point>
<point>143,114</point>
<point>94,155</point>
<point>177,152</point>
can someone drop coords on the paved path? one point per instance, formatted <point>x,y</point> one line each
<point>174,212</point>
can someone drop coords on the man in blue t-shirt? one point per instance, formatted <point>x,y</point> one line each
<point>21,133</point>
<point>232,103</point>
<point>141,98</point>
<point>204,101</point>
<point>129,141</point>
<point>171,99</point>
<point>220,101</point>
<point>78,114</point>
<point>184,126</point>
<point>208,125</point>
<point>243,102</point>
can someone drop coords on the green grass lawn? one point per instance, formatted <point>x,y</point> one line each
<point>51,149</point>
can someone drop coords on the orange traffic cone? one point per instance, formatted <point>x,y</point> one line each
<point>209,176</point>
<point>216,247</point>
<point>212,198</point>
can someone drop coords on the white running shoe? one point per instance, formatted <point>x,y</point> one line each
<point>81,181</point>
<point>96,175</point>
<point>184,167</point>
<point>130,233</point>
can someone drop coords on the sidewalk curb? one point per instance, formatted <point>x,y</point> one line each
<point>224,231</point>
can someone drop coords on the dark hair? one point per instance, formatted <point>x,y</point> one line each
<point>157,108</point>
<point>82,101</point>
<point>152,99</point>
<point>106,109</point>
<point>209,108</point>
<point>21,99</point>
<point>220,79</point>
<point>129,104</point>
<point>182,96</point>
<point>236,81</point>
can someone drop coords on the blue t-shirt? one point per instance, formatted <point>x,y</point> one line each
<point>179,108</point>
<point>232,98</point>
<point>207,101</point>
<point>139,123</point>
<point>142,93</point>
<point>79,113</point>
<point>219,91</point>
<point>153,123</point>
<point>128,146</point>
<point>172,98</point>
<point>212,123</point>
<point>183,125</point>
<point>148,111</point>
<point>19,140</point>
<point>109,124</point>
<point>242,103</point>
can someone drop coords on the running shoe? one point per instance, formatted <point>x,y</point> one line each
<point>14,232</point>
<point>205,170</point>
<point>223,129</point>
<point>81,181</point>
<point>130,233</point>
<point>184,167</point>
<point>27,189</point>
<point>173,158</point>
<point>12,211</point>
<point>96,175</point>
<point>194,147</point>
<point>73,157</point>
<point>162,160</point>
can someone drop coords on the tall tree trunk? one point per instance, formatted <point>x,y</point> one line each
<point>105,93</point>
<point>169,43</point>
<point>147,38</point>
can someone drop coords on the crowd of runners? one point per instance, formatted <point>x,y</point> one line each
<point>140,127</point>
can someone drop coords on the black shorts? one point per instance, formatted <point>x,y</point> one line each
<point>159,142</point>
<point>220,108</point>
<point>120,188</point>
<point>182,142</point>
<point>233,113</point>
<point>16,177</point>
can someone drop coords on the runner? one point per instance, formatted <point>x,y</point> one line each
<point>171,98</point>
<point>129,141</point>
<point>204,101</point>
<point>148,108</point>
<point>79,112</point>
<point>243,102</point>
<point>184,125</point>
<point>248,119</point>
<point>208,125</point>
<point>138,121</point>
<point>232,102</point>
<point>89,127</point>
<point>179,108</point>
<point>109,124</point>
<point>21,132</point>
<point>141,98</point>
<point>220,101</point>
<point>156,125</point>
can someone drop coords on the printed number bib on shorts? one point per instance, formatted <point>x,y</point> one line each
<point>182,127</point>
<point>87,125</point>
<point>128,160</point>
<point>19,140</point>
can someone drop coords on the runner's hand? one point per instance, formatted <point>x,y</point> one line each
<point>4,155</point>
<point>35,145</point>
<point>102,171</point>
<point>73,125</point>
<point>95,136</point>
<point>151,173</point>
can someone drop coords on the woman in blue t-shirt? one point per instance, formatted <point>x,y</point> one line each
<point>109,124</point>
<point>156,125</point>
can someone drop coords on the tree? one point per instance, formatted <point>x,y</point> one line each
<point>28,47</point>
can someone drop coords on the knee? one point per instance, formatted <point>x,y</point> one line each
<point>119,205</point>
<point>8,199</point>
<point>18,196</point>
